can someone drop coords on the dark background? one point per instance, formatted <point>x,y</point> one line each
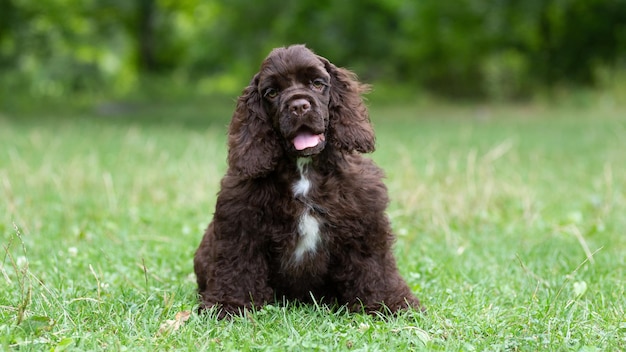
<point>471,49</point>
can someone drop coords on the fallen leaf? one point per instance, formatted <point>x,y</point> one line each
<point>172,325</point>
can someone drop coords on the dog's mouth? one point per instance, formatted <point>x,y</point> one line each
<point>306,139</point>
<point>308,142</point>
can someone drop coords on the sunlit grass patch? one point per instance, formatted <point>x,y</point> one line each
<point>509,220</point>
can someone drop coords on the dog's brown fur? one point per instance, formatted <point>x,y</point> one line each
<point>247,256</point>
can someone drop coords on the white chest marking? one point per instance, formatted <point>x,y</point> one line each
<point>303,185</point>
<point>308,225</point>
<point>309,229</point>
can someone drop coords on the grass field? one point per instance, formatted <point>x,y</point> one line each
<point>511,225</point>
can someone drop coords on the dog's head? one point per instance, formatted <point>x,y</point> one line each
<point>295,89</point>
<point>298,104</point>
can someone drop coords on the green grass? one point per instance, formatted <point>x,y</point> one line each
<point>511,226</point>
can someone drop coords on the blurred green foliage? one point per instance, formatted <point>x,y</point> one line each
<point>501,49</point>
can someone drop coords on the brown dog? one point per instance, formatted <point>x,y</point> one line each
<point>300,213</point>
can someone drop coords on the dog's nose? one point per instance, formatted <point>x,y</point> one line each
<point>299,107</point>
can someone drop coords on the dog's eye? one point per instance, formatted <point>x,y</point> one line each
<point>318,84</point>
<point>271,93</point>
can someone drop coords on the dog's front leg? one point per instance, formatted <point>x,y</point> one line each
<point>231,272</point>
<point>373,284</point>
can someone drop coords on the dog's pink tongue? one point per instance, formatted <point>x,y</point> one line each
<point>306,140</point>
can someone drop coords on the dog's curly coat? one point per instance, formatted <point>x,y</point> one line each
<point>300,214</point>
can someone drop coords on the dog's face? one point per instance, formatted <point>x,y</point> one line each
<point>298,104</point>
<point>295,88</point>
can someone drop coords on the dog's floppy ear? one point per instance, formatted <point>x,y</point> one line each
<point>349,124</point>
<point>253,148</point>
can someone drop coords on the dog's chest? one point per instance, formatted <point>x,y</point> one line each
<point>308,224</point>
